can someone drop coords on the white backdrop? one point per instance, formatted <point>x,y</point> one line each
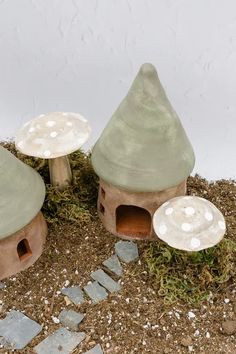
<point>77,55</point>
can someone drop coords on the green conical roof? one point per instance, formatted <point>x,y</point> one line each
<point>22,193</point>
<point>144,147</point>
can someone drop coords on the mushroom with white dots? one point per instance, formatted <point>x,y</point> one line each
<point>189,223</point>
<point>53,136</point>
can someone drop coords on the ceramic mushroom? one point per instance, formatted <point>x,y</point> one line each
<point>53,136</point>
<point>189,223</point>
<point>23,228</point>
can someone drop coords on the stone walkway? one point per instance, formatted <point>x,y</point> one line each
<point>17,330</point>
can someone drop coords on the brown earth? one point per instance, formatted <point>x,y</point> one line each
<point>135,320</point>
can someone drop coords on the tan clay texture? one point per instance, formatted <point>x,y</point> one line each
<point>20,250</point>
<point>129,214</point>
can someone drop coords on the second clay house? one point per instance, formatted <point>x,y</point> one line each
<point>23,228</point>
<point>143,158</point>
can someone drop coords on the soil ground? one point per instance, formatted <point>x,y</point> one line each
<point>135,320</point>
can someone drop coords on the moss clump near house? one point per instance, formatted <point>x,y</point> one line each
<point>77,203</point>
<point>190,276</point>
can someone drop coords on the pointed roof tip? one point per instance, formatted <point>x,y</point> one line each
<point>147,83</point>
<point>148,69</point>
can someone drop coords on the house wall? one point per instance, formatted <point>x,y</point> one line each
<point>35,233</point>
<point>76,55</point>
<point>111,197</point>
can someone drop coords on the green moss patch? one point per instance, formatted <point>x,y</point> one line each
<point>77,203</point>
<point>192,277</point>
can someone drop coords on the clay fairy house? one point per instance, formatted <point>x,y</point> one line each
<point>22,225</point>
<point>143,158</point>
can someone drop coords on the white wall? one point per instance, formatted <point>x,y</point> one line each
<point>75,55</point>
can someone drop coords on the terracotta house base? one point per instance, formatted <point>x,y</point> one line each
<point>129,214</point>
<point>20,250</point>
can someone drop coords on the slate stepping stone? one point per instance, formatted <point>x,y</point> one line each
<point>96,292</point>
<point>95,350</point>
<point>105,280</point>
<point>17,330</point>
<point>113,264</point>
<point>75,294</point>
<point>127,251</point>
<point>60,342</point>
<point>71,319</point>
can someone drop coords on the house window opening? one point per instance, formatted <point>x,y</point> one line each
<point>23,249</point>
<point>103,193</point>
<point>102,209</point>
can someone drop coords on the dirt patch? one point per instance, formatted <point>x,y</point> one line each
<point>135,320</point>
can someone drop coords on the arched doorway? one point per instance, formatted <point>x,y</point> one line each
<point>133,221</point>
<point>23,249</point>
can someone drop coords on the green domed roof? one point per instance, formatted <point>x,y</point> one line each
<point>22,193</point>
<point>144,147</point>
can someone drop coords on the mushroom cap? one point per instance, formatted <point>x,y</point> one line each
<point>22,193</point>
<point>189,223</point>
<point>53,135</point>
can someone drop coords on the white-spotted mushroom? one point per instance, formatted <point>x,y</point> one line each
<point>53,136</point>
<point>189,223</point>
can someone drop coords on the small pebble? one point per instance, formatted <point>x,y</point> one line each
<point>55,319</point>
<point>187,341</point>
<point>67,301</point>
<point>229,327</point>
<point>177,315</point>
<point>66,283</point>
<point>191,315</point>
<point>167,351</point>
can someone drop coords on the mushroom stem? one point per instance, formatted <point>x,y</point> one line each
<point>60,172</point>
